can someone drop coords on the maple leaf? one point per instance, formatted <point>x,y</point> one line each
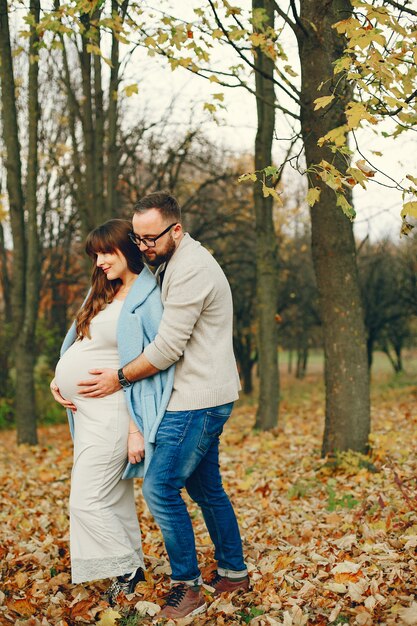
<point>409,208</point>
<point>323,101</point>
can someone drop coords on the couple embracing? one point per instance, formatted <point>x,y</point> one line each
<point>148,367</point>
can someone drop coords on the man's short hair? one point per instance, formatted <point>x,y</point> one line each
<point>166,204</point>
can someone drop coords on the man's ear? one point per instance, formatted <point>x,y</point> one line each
<point>177,230</point>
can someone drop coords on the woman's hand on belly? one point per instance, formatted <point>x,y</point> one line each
<point>57,396</point>
<point>135,447</point>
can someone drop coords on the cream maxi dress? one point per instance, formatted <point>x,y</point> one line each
<point>105,536</point>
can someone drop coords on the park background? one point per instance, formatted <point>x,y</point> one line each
<point>104,102</point>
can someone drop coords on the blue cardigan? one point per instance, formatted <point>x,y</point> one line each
<point>146,399</point>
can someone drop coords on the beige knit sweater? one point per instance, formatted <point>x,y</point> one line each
<point>196,330</point>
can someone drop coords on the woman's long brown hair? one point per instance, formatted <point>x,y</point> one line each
<point>112,236</point>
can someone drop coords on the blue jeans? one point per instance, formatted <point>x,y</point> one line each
<point>187,455</point>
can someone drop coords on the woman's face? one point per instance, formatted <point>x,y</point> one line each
<point>113,264</point>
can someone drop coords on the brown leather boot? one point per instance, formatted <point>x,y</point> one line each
<point>182,601</point>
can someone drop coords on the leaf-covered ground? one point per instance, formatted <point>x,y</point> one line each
<point>326,543</point>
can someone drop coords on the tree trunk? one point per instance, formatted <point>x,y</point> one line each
<point>243,351</point>
<point>5,278</point>
<point>25,345</point>
<point>266,265</point>
<point>88,127</point>
<point>99,204</point>
<point>370,351</point>
<point>25,245</point>
<point>302,356</point>
<point>334,254</point>
<point>112,168</point>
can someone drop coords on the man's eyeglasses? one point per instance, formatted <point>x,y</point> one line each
<point>149,242</point>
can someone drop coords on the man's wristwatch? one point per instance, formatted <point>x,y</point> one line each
<point>122,378</point>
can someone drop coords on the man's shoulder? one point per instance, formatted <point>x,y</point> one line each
<point>192,252</point>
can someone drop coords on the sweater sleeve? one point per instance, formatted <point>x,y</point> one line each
<point>189,293</point>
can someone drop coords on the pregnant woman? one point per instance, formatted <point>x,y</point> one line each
<point>113,436</point>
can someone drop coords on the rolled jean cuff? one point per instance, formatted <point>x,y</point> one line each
<point>229,573</point>
<point>191,583</point>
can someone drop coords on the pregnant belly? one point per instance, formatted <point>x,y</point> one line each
<point>74,366</point>
<point>68,374</point>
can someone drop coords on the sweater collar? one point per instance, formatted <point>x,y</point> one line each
<point>186,242</point>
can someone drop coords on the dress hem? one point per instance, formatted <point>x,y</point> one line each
<point>87,570</point>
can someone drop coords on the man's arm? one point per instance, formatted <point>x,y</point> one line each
<point>106,381</point>
<point>188,293</point>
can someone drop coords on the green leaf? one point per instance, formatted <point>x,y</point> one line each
<point>270,170</point>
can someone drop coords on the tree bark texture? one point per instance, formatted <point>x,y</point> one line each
<point>347,421</point>
<point>266,264</point>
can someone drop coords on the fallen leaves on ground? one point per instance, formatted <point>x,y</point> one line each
<point>325,542</point>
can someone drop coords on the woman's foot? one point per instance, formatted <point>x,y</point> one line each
<point>124,584</point>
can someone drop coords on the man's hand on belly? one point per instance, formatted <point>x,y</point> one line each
<point>104,383</point>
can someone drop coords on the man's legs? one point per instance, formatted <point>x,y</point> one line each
<point>183,441</point>
<point>206,489</point>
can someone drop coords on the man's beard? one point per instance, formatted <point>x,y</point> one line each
<point>158,259</point>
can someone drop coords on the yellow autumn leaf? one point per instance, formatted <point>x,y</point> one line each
<point>249,176</point>
<point>269,191</point>
<point>346,207</point>
<point>358,176</point>
<point>313,195</point>
<point>323,101</point>
<point>394,102</point>
<point>410,209</point>
<point>219,96</point>
<point>108,617</point>
<point>289,70</point>
<point>257,39</point>
<point>3,211</point>
<point>356,112</point>
<point>337,136</point>
<point>217,33</point>
<point>412,178</point>
<point>131,89</point>
<point>209,107</point>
